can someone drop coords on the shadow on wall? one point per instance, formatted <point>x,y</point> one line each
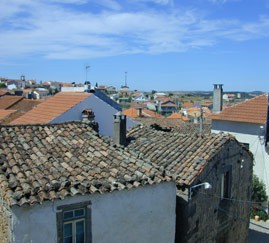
<point>257,237</point>
<point>181,220</point>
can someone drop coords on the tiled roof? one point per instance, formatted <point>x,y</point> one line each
<point>52,161</point>
<point>187,104</point>
<point>5,113</point>
<point>207,103</point>
<point>175,115</point>
<point>21,108</point>
<point>8,101</point>
<point>168,105</point>
<point>175,124</point>
<point>182,155</point>
<point>133,112</point>
<point>51,108</point>
<point>250,111</point>
<point>3,92</point>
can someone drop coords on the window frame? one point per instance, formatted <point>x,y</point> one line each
<point>72,207</point>
<point>226,183</point>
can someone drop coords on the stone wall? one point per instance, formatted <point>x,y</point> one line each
<point>209,218</point>
<point>5,229</point>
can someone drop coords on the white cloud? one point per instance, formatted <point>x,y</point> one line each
<point>217,1</point>
<point>162,2</point>
<point>53,31</point>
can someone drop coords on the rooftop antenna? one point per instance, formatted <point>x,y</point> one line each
<point>86,71</point>
<point>125,79</point>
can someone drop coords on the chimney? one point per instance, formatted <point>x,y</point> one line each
<point>139,112</point>
<point>88,117</point>
<point>87,86</point>
<point>119,135</point>
<point>217,98</point>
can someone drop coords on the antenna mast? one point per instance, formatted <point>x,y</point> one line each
<point>125,79</point>
<point>86,71</point>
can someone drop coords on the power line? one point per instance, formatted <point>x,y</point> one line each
<point>240,218</point>
<point>230,199</point>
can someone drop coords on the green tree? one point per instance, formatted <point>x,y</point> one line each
<point>2,86</point>
<point>258,190</point>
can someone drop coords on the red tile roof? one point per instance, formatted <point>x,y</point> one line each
<point>5,113</point>
<point>51,108</point>
<point>20,109</point>
<point>187,104</point>
<point>175,115</point>
<point>7,101</point>
<point>133,113</point>
<point>250,111</point>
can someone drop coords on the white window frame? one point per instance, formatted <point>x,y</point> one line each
<point>86,218</point>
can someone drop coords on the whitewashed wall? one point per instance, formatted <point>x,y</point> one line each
<point>252,134</point>
<point>142,215</point>
<point>103,114</point>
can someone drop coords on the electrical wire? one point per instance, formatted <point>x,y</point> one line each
<point>240,218</point>
<point>230,199</point>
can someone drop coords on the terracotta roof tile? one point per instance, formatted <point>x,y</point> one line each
<point>8,101</point>
<point>52,161</point>
<point>134,112</point>
<point>52,108</point>
<point>21,108</point>
<point>176,124</point>
<point>187,104</point>
<point>184,156</point>
<point>5,113</point>
<point>3,92</point>
<point>175,115</point>
<point>250,111</point>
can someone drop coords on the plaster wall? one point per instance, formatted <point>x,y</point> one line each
<point>253,135</point>
<point>103,114</point>
<point>145,214</point>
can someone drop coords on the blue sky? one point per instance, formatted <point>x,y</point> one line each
<point>161,44</point>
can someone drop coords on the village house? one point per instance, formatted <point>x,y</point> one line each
<point>45,163</point>
<point>63,183</point>
<point>216,161</point>
<point>69,106</point>
<point>167,107</point>
<point>248,122</point>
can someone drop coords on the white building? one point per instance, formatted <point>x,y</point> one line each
<point>74,187</point>
<point>247,121</point>
<point>68,106</point>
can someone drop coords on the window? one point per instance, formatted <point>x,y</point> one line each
<point>73,223</point>
<point>226,184</point>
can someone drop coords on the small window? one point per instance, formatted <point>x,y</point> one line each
<point>73,223</point>
<point>226,184</point>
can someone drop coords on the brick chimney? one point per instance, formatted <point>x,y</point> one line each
<point>217,98</point>
<point>119,133</point>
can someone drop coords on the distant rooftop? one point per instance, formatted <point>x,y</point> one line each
<point>251,111</point>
